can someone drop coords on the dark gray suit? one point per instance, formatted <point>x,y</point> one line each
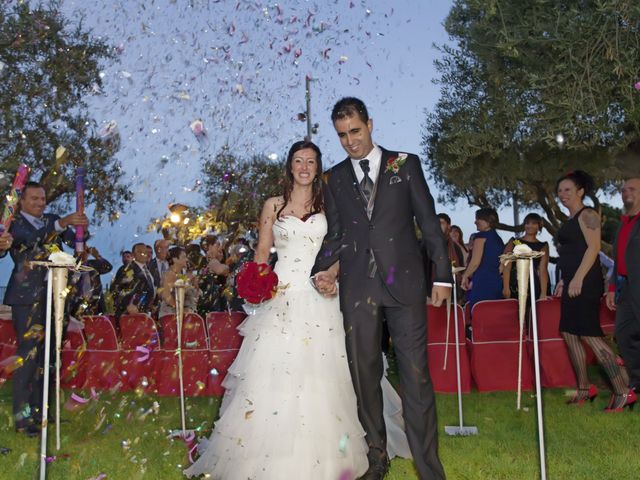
<point>26,293</point>
<point>628,306</point>
<point>396,293</point>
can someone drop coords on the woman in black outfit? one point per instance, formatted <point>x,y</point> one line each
<point>581,287</point>
<point>532,227</point>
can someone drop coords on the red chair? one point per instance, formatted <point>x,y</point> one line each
<point>8,345</point>
<point>72,357</point>
<point>195,357</point>
<point>224,343</point>
<point>607,317</point>
<point>443,375</point>
<point>139,343</point>
<point>555,365</point>
<point>102,357</point>
<point>494,347</point>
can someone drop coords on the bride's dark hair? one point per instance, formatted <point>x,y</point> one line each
<point>317,202</point>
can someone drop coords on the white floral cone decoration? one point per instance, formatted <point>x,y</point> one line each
<point>58,264</point>
<point>522,267</point>
<point>60,276</point>
<point>179,288</point>
<point>524,256</point>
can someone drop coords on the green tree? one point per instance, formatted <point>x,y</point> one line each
<point>529,91</point>
<point>235,189</point>
<point>47,67</point>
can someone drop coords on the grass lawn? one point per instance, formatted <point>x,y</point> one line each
<point>121,436</point>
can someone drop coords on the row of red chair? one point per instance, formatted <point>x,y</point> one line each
<point>490,358</point>
<point>142,359</point>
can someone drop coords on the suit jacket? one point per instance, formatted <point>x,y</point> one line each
<point>400,200</point>
<point>91,302</point>
<point>632,259</point>
<point>155,272</point>
<point>131,286</point>
<point>27,286</point>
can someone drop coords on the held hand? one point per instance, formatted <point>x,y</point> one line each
<point>465,284</point>
<point>75,219</point>
<point>558,291</point>
<point>325,283</point>
<point>439,294</point>
<point>5,241</point>
<point>611,300</point>
<point>575,287</point>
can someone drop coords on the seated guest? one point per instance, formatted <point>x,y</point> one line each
<point>133,288</point>
<point>195,257</point>
<point>532,227</point>
<point>212,277</point>
<point>177,258</point>
<point>159,265</point>
<point>127,258</point>
<point>149,254</point>
<point>456,254</point>
<point>482,278</point>
<point>456,236</point>
<point>85,288</point>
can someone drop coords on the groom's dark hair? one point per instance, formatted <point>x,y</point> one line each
<point>349,107</point>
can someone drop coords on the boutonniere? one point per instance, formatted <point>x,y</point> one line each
<point>394,163</point>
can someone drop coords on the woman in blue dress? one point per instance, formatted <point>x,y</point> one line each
<point>482,278</point>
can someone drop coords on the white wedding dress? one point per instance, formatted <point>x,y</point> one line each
<point>289,410</point>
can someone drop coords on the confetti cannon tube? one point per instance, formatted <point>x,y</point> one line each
<point>80,174</point>
<point>14,196</point>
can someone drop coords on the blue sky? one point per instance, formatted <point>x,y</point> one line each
<point>239,66</point>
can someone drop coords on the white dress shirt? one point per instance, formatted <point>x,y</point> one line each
<point>38,223</point>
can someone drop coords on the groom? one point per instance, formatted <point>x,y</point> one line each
<point>372,201</point>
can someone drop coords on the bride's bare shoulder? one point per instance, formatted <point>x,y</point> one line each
<point>273,204</point>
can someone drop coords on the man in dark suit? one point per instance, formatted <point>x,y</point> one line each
<point>626,251</point>
<point>372,201</point>
<point>159,265</point>
<point>133,288</point>
<point>86,296</point>
<point>32,230</point>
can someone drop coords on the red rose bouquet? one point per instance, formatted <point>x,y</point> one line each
<point>256,282</point>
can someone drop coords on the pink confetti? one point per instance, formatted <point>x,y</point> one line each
<point>78,398</point>
<point>346,475</point>
<point>391,277</point>
<point>145,354</point>
<point>197,127</point>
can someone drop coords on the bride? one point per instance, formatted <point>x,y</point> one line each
<point>289,410</point>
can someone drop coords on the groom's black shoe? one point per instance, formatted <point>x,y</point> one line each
<point>378,468</point>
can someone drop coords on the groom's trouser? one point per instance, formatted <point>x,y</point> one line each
<point>408,328</point>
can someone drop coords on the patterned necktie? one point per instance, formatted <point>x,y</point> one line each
<point>366,184</point>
